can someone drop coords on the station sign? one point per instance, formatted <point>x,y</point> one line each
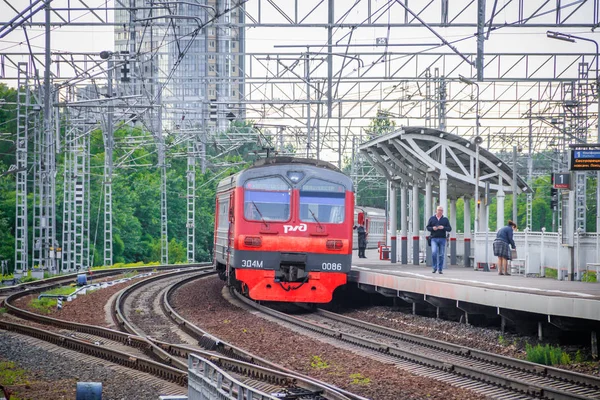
<point>561,180</point>
<point>585,160</point>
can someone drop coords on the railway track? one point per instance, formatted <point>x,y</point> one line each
<point>486,373</point>
<point>59,280</point>
<point>256,373</point>
<point>126,350</point>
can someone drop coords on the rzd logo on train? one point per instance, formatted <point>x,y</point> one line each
<point>292,228</point>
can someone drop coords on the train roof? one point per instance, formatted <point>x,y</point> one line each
<point>294,160</point>
<point>370,210</point>
<point>279,166</point>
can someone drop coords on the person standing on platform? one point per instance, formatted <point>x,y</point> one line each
<point>362,240</point>
<point>504,239</point>
<point>439,226</point>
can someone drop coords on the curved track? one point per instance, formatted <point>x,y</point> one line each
<point>486,373</point>
<point>127,350</point>
<point>255,372</point>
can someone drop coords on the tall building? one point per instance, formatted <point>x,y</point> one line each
<point>184,56</point>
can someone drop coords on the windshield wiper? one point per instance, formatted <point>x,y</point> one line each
<point>260,214</point>
<point>315,218</point>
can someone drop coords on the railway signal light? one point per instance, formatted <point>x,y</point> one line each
<point>553,198</point>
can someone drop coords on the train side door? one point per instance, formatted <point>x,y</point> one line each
<point>230,229</point>
<point>216,232</point>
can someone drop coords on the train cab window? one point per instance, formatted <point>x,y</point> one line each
<point>322,201</point>
<point>267,199</point>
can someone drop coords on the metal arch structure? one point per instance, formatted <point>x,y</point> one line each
<point>416,157</point>
<point>413,155</point>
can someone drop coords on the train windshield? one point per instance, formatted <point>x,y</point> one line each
<point>322,202</point>
<point>267,199</point>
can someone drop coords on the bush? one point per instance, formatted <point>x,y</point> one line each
<point>547,355</point>
<point>551,273</point>
<point>589,276</point>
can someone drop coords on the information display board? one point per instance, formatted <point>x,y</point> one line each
<point>585,160</point>
<point>561,180</point>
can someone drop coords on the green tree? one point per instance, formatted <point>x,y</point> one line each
<point>380,125</point>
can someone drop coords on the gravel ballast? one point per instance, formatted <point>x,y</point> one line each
<point>202,303</point>
<point>53,373</point>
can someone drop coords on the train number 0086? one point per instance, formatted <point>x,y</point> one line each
<point>252,264</point>
<point>331,266</point>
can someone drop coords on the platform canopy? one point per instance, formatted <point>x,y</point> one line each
<point>412,155</point>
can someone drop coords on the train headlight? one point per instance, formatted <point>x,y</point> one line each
<point>253,241</point>
<point>334,245</point>
<point>295,176</point>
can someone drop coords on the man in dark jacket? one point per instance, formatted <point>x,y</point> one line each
<point>439,226</point>
<point>362,240</point>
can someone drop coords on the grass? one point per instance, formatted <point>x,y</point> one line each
<point>64,290</point>
<point>130,274</point>
<point>43,305</point>
<point>551,273</point>
<point>359,379</point>
<point>127,265</point>
<point>318,363</point>
<point>589,276</point>
<point>547,355</point>
<point>3,310</point>
<point>11,375</point>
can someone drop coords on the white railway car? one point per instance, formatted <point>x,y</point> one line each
<point>375,224</point>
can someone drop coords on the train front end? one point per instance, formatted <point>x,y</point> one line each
<point>293,232</point>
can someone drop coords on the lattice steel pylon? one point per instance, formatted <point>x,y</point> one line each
<point>529,215</point>
<point>108,136</point>
<point>68,194</point>
<point>45,245</point>
<point>37,252</point>
<point>75,205</point>
<point>575,105</point>
<point>162,166</point>
<point>164,238</point>
<point>191,197</point>
<point>21,237</point>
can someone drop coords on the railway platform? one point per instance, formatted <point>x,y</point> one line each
<point>522,300</point>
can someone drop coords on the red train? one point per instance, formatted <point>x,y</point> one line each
<point>283,230</point>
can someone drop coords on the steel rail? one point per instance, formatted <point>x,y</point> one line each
<point>121,319</point>
<point>162,371</point>
<point>274,375</point>
<point>521,365</point>
<point>461,369</point>
<point>246,368</point>
<point>98,273</point>
<point>117,336</point>
<point>232,352</point>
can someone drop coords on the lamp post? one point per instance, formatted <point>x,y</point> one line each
<point>572,39</point>
<point>477,143</point>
